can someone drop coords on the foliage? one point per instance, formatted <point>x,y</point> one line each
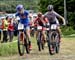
<point>67,30</point>
<point>11,48</point>
<point>8,49</point>
<point>10,5</point>
<point>59,7</point>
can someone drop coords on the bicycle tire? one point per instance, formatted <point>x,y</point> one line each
<point>39,42</point>
<point>51,44</point>
<point>42,42</point>
<point>21,52</point>
<point>57,43</point>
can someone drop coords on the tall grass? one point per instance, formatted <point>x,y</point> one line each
<point>7,49</point>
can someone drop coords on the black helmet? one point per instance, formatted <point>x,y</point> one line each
<point>50,7</point>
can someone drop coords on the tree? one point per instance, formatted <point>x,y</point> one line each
<point>10,5</point>
<point>59,7</point>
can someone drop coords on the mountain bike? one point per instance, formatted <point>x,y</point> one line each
<point>23,42</point>
<point>40,38</point>
<point>53,39</point>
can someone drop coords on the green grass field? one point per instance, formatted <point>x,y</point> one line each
<point>9,51</point>
<point>10,48</point>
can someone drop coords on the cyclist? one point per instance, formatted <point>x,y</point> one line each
<point>52,17</point>
<point>41,21</point>
<point>23,14</point>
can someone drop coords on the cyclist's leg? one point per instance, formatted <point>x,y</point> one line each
<point>28,35</point>
<point>37,35</point>
<point>44,35</point>
<point>59,31</point>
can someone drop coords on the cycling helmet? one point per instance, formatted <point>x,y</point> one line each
<point>19,7</point>
<point>39,14</point>
<point>50,7</point>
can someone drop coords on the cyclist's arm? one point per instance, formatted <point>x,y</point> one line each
<point>35,21</point>
<point>59,16</point>
<point>16,17</point>
<point>45,14</point>
<point>57,21</point>
<point>46,20</point>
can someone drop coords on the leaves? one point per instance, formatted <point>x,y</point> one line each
<point>59,7</point>
<point>10,6</point>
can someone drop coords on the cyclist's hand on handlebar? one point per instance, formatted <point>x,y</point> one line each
<point>44,25</point>
<point>64,23</point>
<point>48,24</point>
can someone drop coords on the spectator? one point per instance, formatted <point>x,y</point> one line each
<point>5,28</point>
<point>10,30</point>
<point>15,27</point>
<point>0,27</point>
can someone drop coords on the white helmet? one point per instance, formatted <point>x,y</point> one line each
<point>50,7</point>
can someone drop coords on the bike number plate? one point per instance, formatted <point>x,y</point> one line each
<point>47,28</point>
<point>53,26</point>
<point>20,26</point>
<point>39,27</point>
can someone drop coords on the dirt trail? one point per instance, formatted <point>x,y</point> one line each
<point>67,52</point>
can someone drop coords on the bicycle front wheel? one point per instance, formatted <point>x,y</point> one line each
<point>20,45</point>
<point>51,44</point>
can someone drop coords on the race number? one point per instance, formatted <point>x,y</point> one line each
<point>39,27</point>
<point>20,26</point>
<point>47,28</point>
<point>54,26</point>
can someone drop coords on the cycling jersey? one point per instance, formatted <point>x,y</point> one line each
<point>52,16</point>
<point>40,21</point>
<point>24,18</point>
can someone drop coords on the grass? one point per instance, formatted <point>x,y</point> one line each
<point>10,48</point>
<point>67,48</point>
<point>7,49</point>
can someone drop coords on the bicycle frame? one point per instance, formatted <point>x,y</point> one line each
<point>23,35</point>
